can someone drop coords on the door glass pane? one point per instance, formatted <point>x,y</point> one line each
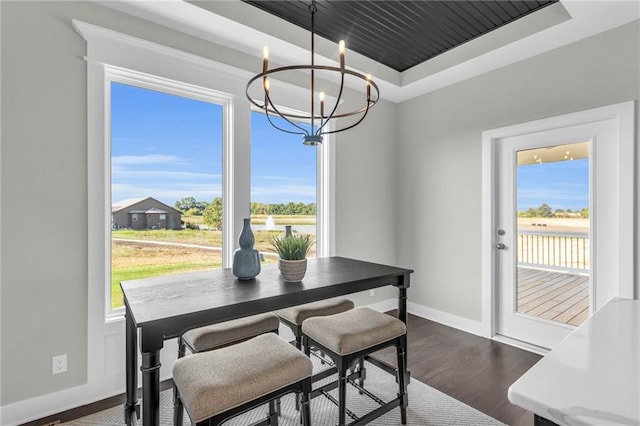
<point>553,233</point>
<point>166,185</point>
<point>283,184</point>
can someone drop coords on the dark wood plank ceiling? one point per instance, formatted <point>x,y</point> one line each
<point>401,34</point>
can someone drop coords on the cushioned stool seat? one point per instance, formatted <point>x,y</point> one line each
<point>218,384</point>
<point>352,335</point>
<point>295,316</point>
<point>224,333</point>
<point>216,336</point>
<point>353,330</point>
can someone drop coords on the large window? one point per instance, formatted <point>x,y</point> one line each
<point>166,184</point>
<point>128,61</point>
<point>283,183</point>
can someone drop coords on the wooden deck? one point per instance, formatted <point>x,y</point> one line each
<point>557,296</point>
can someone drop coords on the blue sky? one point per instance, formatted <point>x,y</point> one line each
<point>170,147</point>
<point>561,185</point>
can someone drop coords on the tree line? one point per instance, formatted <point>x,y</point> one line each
<point>289,208</point>
<point>212,212</point>
<point>546,211</point>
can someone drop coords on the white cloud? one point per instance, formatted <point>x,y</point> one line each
<point>126,160</point>
<point>168,194</point>
<point>284,193</point>
<point>127,174</point>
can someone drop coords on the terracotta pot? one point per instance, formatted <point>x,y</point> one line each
<point>292,270</point>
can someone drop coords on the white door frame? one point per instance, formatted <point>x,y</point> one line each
<point>624,114</point>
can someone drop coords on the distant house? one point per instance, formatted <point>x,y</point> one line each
<point>144,213</point>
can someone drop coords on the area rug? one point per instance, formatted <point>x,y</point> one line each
<point>427,406</point>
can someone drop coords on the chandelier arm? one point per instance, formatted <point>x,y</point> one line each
<point>335,107</point>
<point>366,111</point>
<point>268,98</point>
<point>280,128</point>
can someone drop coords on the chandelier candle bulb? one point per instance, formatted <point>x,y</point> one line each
<point>265,59</point>
<point>321,105</point>
<point>341,49</point>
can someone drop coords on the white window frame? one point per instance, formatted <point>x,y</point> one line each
<point>325,185</point>
<point>171,87</point>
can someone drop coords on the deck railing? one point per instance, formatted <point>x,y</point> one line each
<point>554,250</point>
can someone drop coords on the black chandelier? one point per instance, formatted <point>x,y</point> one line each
<point>318,121</point>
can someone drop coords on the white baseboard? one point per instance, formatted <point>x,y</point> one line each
<point>47,405</point>
<point>53,403</point>
<point>451,320</point>
<point>384,305</point>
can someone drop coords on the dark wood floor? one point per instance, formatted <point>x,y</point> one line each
<point>471,369</point>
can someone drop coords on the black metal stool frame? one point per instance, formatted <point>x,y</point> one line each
<point>302,388</point>
<point>343,363</point>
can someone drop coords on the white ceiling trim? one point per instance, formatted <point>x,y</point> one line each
<point>586,18</point>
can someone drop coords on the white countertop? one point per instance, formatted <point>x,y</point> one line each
<point>593,376</point>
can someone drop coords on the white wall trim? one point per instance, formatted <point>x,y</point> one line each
<point>1,417</point>
<point>448,319</point>
<point>624,114</point>
<point>384,305</point>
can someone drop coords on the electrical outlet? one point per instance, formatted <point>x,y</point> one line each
<point>372,292</point>
<point>59,364</point>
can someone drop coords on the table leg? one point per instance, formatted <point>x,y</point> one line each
<point>131,406</point>
<point>402,315</point>
<point>151,343</point>
<point>151,388</point>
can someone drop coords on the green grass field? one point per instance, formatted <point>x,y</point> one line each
<point>132,260</point>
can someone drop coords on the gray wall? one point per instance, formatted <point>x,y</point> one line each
<point>44,262</point>
<point>413,170</point>
<point>43,155</point>
<point>366,212</point>
<point>440,144</point>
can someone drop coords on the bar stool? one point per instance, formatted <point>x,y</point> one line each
<point>217,336</point>
<point>351,335</point>
<point>293,317</point>
<point>224,383</point>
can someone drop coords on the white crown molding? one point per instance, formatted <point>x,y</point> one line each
<point>246,29</point>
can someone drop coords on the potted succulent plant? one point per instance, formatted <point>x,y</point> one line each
<point>292,250</point>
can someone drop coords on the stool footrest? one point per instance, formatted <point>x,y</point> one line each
<point>332,385</point>
<point>367,418</point>
<point>380,411</point>
<point>386,367</point>
<point>337,403</point>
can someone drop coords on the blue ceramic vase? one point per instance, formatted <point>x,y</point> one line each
<point>246,260</point>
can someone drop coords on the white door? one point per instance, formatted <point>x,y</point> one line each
<point>555,224</point>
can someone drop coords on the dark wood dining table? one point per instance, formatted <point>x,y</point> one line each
<point>162,308</point>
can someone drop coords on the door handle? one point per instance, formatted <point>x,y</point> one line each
<point>500,246</point>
